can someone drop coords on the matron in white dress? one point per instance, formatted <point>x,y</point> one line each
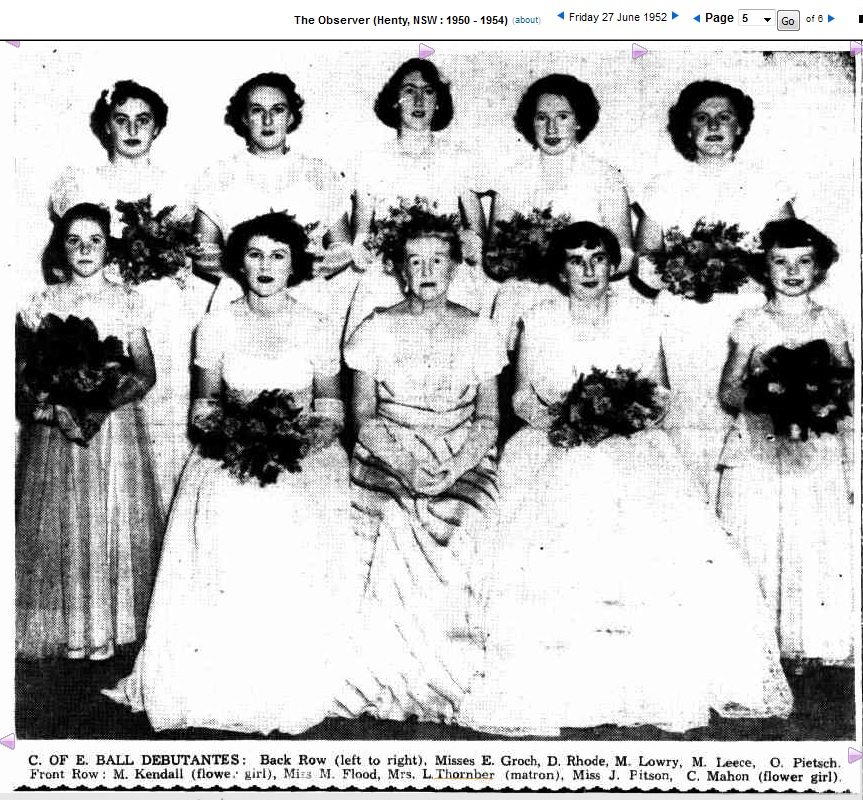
<point>249,622</point>
<point>614,595</point>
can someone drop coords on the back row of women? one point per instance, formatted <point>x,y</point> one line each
<point>517,595</point>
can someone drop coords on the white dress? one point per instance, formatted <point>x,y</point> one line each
<point>695,335</point>
<point>175,306</point>
<point>250,619</point>
<point>614,595</point>
<point>443,174</point>
<point>244,186</point>
<point>788,505</point>
<point>574,183</point>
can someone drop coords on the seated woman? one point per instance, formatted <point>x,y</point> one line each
<point>249,627</point>
<point>423,474</point>
<point>603,590</point>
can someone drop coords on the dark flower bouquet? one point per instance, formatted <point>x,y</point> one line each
<point>66,363</point>
<point>385,238</point>
<point>152,246</point>
<point>802,389</point>
<point>260,438</point>
<point>519,243</point>
<point>601,405</point>
<point>711,259</point>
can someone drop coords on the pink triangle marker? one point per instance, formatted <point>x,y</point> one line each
<point>638,51</point>
<point>15,43</point>
<point>854,755</point>
<point>426,51</point>
<point>8,741</point>
<point>856,48</point>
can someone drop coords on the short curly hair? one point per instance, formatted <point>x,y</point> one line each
<point>55,266</point>
<point>579,234</point>
<point>116,96</point>
<point>236,108</point>
<point>278,227</point>
<point>578,94</point>
<point>387,103</point>
<point>679,115</point>
<point>422,224</point>
<point>793,232</point>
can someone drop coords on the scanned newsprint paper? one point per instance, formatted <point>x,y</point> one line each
<point>667,609</point>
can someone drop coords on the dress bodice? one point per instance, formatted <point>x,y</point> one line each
<point>257,353</point>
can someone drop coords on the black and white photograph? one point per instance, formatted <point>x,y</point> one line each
<point>506,393</point>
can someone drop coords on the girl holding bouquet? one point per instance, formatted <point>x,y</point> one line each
<point>250,612</point>
<point>715,196</point>
<point>785,490</point>
<point>88,528</point>
<point>605,556</point>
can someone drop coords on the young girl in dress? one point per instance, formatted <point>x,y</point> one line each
<point>87,522</point>
<point>789,501</point>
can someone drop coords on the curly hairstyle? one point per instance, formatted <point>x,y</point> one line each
<point>578,94</point>
<point>579,234</point>
<point>55,266</point>
<point>236,108</point>
<point>119,94</point>
<point>793,232</point>
<point>278,227</point>
<point>422,223</point>
<point>691,97</point>
<point>387,103</point>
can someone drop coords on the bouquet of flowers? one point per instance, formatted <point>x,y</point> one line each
<point>711,259</point>
<point>802,389</point>
<point>152,246</point>
<point>66,363</point>
<point>385,237</point>
<point>260,438</point>
<point>601,405</point>
<point>519,243</point>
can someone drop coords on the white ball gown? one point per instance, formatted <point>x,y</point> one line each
<point>788,505</point>
<point>614,595</point>
<point>249,625</point>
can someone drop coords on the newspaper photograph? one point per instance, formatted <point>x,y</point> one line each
<point>480,420</point>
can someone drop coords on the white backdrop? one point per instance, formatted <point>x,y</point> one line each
<point>804,127</point>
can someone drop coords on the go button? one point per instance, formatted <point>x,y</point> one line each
<point>788,20</point>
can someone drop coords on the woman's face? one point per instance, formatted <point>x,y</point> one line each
<point>86,247</point>
<point>266,265</point>
<point>132,128</point>
<point>792,271</point>
<point>586,271</point>
<point>428,267</point>
<point>267,118</point>
<point>417,102</point>
<point>554,124</point>
<point>714,128</point>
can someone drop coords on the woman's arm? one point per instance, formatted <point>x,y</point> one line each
<point>526,402</point>
<point>207,256</point>
<point>206,392</point>
<point>732,395</point>
<point>329,410</point>
<point>615,212</point>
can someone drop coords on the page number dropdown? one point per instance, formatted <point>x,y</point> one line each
<point>757,16</point>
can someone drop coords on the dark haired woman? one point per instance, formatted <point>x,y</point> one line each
<point>87,530</point>
<point>603,601</point>
<point>423,476</point>
<point>127,120</point>
<point>417,103</point>
<point>708,126</point>
<point>270,175</point>
<point>788,501</point>
<point>249,612</point>
<point>554,116</point>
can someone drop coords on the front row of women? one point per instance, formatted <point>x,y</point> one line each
<point>572,588</point>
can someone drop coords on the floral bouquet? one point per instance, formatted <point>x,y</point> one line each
<point>152,246</point>
<point>711,259</point>
<point>260,438</point>
<point>601,405</point>
<point>802,389</point>
<point>519,243</point>
<point>66,363</point>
